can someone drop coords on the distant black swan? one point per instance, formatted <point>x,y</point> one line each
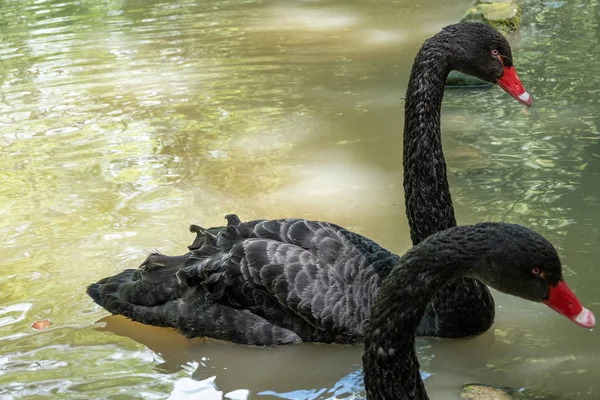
<point>510,258</point>
<point>287,281</point>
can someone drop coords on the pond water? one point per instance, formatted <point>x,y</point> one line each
<point>121,122</point>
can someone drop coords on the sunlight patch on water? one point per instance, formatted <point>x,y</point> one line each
<point>337,181</point>
<point>7,313</point>
<point>382,37</point>
<point>298,18</point>
<point>187,388</point>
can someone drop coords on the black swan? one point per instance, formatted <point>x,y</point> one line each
<point>286,281</point>
<point>510,258</point>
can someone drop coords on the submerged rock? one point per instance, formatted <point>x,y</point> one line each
<point>484,392</point>
<point>502,15</point>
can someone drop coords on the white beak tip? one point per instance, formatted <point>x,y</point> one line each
<point>525,97</point>
<point>585,318</point>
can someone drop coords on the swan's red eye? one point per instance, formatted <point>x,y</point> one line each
<point>536,271</point>
<point>495,53</point>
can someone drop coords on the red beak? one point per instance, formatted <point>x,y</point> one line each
<point>510,82</point>
<point>562,300</point>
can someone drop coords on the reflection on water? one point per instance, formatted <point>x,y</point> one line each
<point>123,122</point>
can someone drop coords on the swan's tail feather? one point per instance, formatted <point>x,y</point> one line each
<point>210,236</point>
<point>188,292</point>
<point>105,292</point>
<point>93,291</point>
<point>233,219</point>
<point>192,314</point>
<point>149,294</point>
<point>154,283</point>
<point>203,237</point>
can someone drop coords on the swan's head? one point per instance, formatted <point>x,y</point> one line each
<point>517,261</point>
<point>479,50</point>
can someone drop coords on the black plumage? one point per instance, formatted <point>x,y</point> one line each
<point>287,281</point>
<point>259,282</point>
<point>502,255</point>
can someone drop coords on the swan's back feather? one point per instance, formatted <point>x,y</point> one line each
<point>282,281</point>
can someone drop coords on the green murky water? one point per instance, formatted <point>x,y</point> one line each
<point>121,122</point>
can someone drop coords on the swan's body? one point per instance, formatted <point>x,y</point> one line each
<point>259,282</point>
<point>288,281</point>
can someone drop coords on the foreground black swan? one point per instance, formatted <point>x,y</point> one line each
<point>293,280</point>
<point>509,258</point>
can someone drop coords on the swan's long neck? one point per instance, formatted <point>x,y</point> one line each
<point>427,195</point>
<point>390,365</point>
